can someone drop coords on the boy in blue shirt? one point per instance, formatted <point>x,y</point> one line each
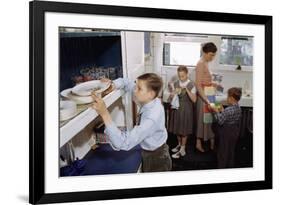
<point>150,132</point>
<point>228,128</point>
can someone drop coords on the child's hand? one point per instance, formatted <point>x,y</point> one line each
<point>188,91</point>
<point>221,109</point>
<point>212,107</point>
<point>178,90</point>
<point>171,96</point>
<point>171,87</point>
<point>215,109</point>
<point>99,105</point>
<point>106,80</point>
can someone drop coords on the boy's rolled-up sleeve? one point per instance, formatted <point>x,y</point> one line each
<point>124,83</point>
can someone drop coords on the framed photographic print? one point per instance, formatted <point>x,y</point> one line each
<point>130,102</point>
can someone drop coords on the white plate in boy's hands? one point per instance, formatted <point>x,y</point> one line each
<point>86,88</point>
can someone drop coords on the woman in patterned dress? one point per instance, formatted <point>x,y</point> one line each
<point>203,77</point>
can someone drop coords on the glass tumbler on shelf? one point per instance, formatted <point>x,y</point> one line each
<point>86,72</point>
<point>119,72</point>
<point>106,72</point>
<point>76,79</point>
<point>112,73</point>
<point>93,73</point>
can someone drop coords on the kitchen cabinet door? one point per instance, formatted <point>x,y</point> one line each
<point>79,129</point>
<point>133,53</point>
<point>133,65</point>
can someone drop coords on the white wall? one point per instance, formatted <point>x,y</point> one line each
<point>14,101</point>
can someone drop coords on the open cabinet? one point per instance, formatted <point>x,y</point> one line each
<point>82,50</point>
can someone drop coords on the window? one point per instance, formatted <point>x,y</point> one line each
<point>147,45</point>
<point>236,51</point>
<point>182,53</point>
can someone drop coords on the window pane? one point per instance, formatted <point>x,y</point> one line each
<point>235,51</point>
<point>182,53</point>
<point>147,43</point>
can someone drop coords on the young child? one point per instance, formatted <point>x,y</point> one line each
<point>228,128</point>
<point>181,118</point>
<point>150,132</point>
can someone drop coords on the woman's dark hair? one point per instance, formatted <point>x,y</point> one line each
<point>209,47</point>
<point>182,68</point>
<point>152,81</point>
<point>235,93</point>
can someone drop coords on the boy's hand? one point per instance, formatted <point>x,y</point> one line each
<point>221,109</point>
<point>215,109</point>
<point>99,105</point>
<point>106,80</point>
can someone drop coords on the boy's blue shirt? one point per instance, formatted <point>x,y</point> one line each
<point>151,132</point>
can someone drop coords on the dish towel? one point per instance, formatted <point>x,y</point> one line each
<point>210,92</point>
<point>175,104</point>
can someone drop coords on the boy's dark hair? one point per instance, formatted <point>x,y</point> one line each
<point>209,47</point>
<point>235,93</point>
<point>182,68</point>
<point>153,82</point>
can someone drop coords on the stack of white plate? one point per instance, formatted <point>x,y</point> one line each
<point>81,93</point>
<point>68,109</point>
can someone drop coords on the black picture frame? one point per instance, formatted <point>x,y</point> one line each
<point>37,192</point>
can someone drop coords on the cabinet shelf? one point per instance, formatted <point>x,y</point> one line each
<point>75,125</point>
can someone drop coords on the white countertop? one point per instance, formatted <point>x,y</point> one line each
<point>245,101</point>
<point>75,125</point>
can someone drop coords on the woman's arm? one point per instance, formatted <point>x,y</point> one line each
<point>199,73</point>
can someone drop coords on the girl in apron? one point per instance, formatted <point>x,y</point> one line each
<point>181,116</point>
